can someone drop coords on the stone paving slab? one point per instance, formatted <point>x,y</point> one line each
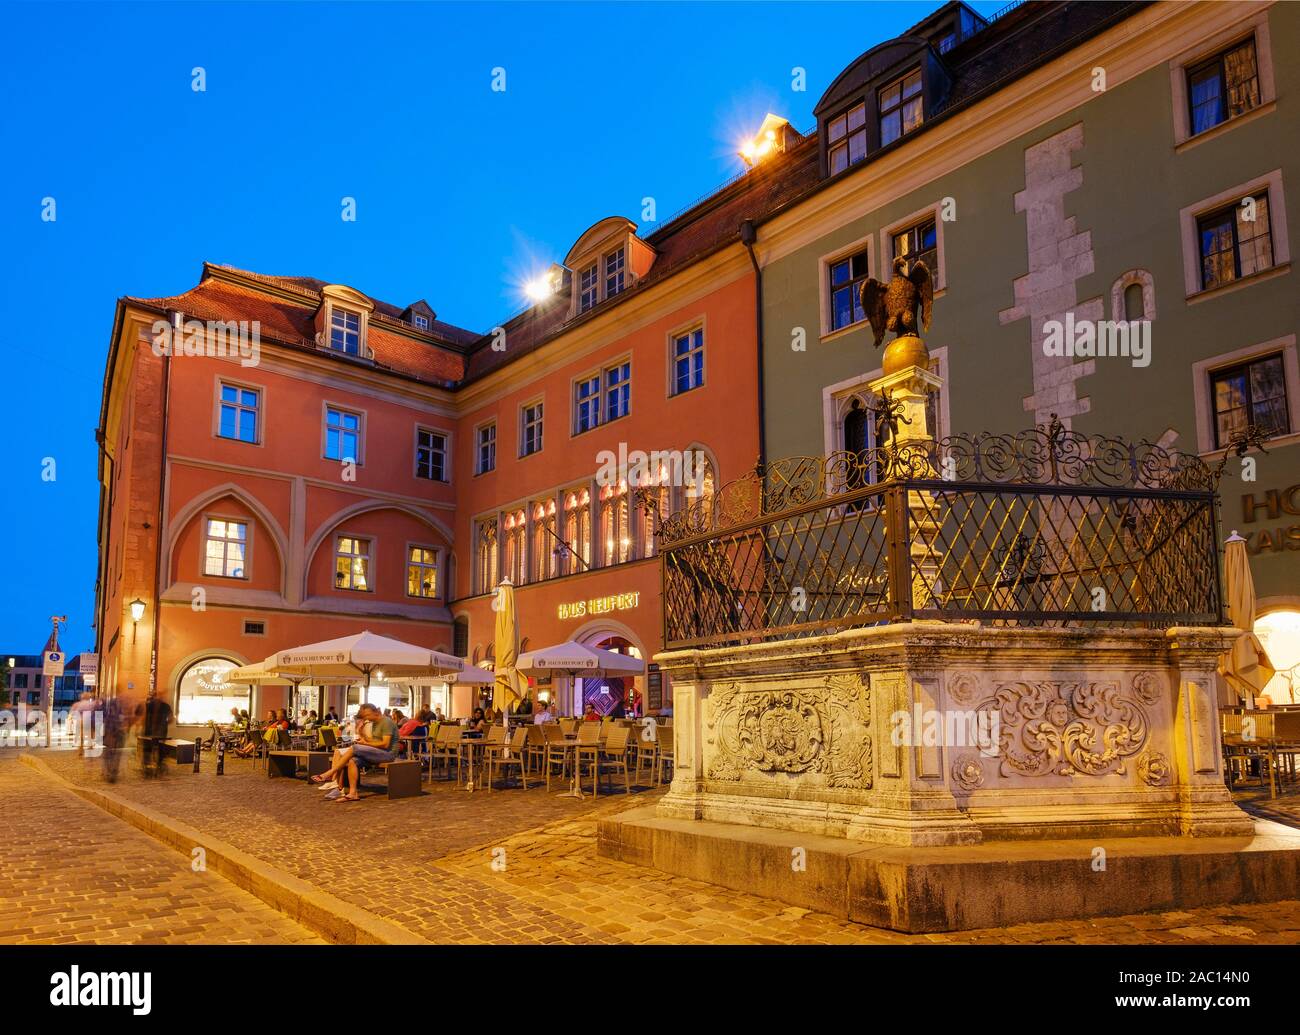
<point>74,874</point>
<point>516,867</point>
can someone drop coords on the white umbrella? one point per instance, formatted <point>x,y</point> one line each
<point>577,659</point>
<point>470,675</point>
<point>362,654</point>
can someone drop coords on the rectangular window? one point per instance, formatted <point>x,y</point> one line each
<point>1235,242</point>
<point>430,455</point>
<point>422,322</point>
<point>618,391</point>
<point>487,449</point>
<point>614,272</point>
<point>342,435</point>
<point>20,681</point>
<point>586,404</point>
<point>238,418</point>
<point>421,571</point>
<point>846,277</point>
<point>224,548</point>
<point>352,564</point>
<point>900,107</point>
<point>588,287</point>
<point>1250,395</point>
<point>252,628</point>
<point>1223,87</point>
<point>688,360</point>
<point>530,432</point>
<point>919,242</point>
<point>345,331</point>
<point>846,138</point>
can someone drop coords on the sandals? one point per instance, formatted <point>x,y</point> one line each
<point>320,778</point>
<point>345,797</point>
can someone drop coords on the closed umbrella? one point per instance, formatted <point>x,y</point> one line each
<point>1246,666</point>
<point>509,685</point>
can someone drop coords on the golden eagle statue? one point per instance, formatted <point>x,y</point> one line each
<point>894,306</point>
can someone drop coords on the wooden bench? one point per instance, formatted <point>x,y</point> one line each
<point>285,763</point>
<point>403,777</point>
<point>181,750</point>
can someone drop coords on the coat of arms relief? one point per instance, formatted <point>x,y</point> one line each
<point>822,729</point>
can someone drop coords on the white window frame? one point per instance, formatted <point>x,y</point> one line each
<point>620,273</point>
<point>258,412</point>
<point>420,321</point>
<point>369,555</point>
<point>594,290</point>
<point>438,573</point>
<point>836,399</point>
<point>824,264</point>
<point>685,330</point>
<point>523,425</point>
<point>446,453</point>
<point>908,221</point>
<point>206,538</point>
<point>325,430</point>
<point>478,447</point>
<point>1256,26</point>
<point>1189,216</point>
<point>345,312</point>
<point>1203,370</point>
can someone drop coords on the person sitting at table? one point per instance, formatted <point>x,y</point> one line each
<point>415,727</point>
<point>525,705</point>
<point>331,717</point>
<point>477,721</point>
<point>589,714</point>
<point>376,742</point>
<point>544,714</point>
<point>437,714</point>
<point>313,720</point>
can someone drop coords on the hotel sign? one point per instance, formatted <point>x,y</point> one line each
<point>599,605</point>
<point>1274,504</point>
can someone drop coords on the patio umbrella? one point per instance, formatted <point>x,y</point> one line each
<point>508,686</point>
<point>362,654</point>
<point>1245,667</point>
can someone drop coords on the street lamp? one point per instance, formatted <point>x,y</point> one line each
<point>137,612</point>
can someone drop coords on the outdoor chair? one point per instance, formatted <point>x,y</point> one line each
<point>664,734</point>
<point>554,750</point>
<point>446,748</point>
<point>569,726</point>
<point>613,756</point>
<point>645,747</point>
<point>534,747</point>
<point>497,757</point>
<point>329,738</point>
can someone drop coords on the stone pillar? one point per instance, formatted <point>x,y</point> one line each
<point>909,382</point>
<point>685,796</point>
<point>1206,806</point>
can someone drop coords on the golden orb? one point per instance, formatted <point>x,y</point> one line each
<point>907,350</point>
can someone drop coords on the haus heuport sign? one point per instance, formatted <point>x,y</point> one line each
<point>599,605</point>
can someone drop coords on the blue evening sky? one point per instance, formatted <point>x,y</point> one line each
<point>461,192</point>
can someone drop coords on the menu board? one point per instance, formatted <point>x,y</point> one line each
<point>654,690</point>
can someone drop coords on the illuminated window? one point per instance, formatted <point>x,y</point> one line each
<point>224,548</point>
<point>660,493</point>
<point>238,418</point>
<point>345,331</point>
<point>1279,632</point>
<point>485,554</point>
<point>900,107</point>
<point>615,524</point>
<point>421,571</point>
<point>352,564</point>
<point>205,695</point>
<point>1235,242</point>
<point>516,547</point>
<point>846,137</point>
<point>577,531</point>
<point>546,543</point>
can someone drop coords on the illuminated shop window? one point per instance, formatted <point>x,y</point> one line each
<point>1279,632</point>
<point>206,696</point>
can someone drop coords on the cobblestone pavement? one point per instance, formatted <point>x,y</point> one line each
<point>73,873</point>
<point>521,867</point>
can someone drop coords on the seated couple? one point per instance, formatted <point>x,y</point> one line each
<point>376,742</point>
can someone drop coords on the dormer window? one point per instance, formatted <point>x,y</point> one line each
<point>588,287</point>
<point>900,107</point>
<point>421,322</point>
<point>345,331</point>
<point>614,265</point>
<point>847,136</point>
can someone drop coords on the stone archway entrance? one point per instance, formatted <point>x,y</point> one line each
<point>606,695</point>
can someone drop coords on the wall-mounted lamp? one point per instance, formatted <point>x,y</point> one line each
<point>137,612</point>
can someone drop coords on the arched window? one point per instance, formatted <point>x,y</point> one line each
<point>1279,632</point>
<point>515,544</point>
<point>485,546</point>
<point>460,637</point>
<point>1134,308</point>
<point>660,492</point>
<point>545,543</point>
<point>577,530</point>
<point>857,428</point>
<point>205,696</point>
<point>615,526</point>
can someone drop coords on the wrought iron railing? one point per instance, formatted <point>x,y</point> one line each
<point>1047,527</point>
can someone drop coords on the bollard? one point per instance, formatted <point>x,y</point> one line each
<point>198,750</point>
<point>221,757</point>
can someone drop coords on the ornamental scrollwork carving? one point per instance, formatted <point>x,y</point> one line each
<point>1148,687</point>
<point>1154,768</point>
<point>1051,728</point>
<point>968,774</point>
<point>964,687</point>
<point>822,729</point>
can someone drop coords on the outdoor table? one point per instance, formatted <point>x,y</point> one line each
<point>469,743</point>
<point>578,748</point>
